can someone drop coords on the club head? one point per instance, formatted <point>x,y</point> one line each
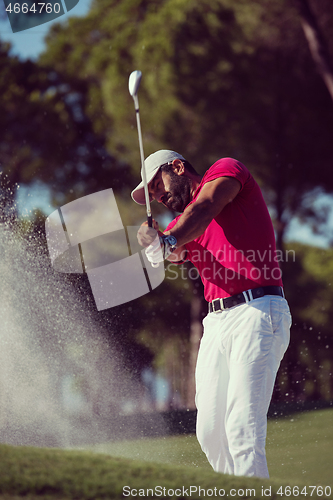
<point>134,82</point>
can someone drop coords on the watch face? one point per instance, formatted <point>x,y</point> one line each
<point>172,240</point>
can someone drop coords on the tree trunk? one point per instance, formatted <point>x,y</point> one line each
<point>279,180</point>
<point>317,44</point>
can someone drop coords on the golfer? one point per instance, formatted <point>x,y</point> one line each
<point>225,230</point>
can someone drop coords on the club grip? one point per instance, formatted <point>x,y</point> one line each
<point>150,224</point>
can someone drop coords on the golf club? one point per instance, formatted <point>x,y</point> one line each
<point>133,87</point>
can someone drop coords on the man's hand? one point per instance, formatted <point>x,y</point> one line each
<point>154,252</point>
<point>146,235</point>
<point>159,246</point>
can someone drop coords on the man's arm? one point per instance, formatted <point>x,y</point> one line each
<point>212,199</point>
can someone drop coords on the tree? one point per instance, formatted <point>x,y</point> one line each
<point>317,44</point>
<point>46,136</point>
<point>307,366</point>
<point>219,79</point>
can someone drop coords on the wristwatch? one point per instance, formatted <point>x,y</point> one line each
<point>171,240</point>
<point>169,244</point>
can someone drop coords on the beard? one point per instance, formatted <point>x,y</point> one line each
<point>179,194</point>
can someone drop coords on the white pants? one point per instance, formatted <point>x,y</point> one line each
<point>239,356</point>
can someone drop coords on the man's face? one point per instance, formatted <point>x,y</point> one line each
<point>171,189</point>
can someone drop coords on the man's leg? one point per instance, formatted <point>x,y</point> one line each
<point>212,376</point>
<point>258,341</point>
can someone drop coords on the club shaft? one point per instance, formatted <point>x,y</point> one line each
<point>143,169</point>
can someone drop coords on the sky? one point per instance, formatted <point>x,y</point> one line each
<point>30,44</point>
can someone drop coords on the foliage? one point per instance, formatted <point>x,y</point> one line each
<point>222,79</point>
<point>308,361</point>
<point>45,135</point>
<point>219,79</point>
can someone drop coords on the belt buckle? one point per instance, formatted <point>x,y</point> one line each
<point>220,303</point>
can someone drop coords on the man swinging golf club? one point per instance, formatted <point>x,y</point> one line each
<point>224,228</point>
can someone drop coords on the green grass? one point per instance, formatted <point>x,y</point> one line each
<point>41,474</point>
<point>298,449</point>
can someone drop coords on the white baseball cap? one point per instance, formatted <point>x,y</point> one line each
<point>152,166</point>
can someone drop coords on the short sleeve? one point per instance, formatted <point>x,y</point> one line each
<point>227,167</point>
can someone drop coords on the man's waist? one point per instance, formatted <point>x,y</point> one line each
<point>243,297</point>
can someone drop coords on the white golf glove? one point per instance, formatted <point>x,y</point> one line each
<point>160,249</point>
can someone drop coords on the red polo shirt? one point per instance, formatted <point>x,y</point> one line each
<point>237,251</point>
